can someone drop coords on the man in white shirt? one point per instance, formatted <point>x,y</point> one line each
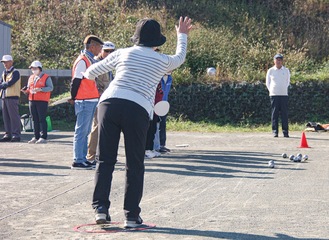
<point>277,83</point>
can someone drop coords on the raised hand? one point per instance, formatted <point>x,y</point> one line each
<point>184,25</point>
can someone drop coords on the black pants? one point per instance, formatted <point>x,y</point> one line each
<point>279,107</point>
<point>38,110</point>
<point>151,133</point>
<point>116,115</point>
<point>163,130</point>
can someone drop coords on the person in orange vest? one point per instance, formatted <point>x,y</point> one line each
<point>102,83</point>
<point>84,96</point>
<point>38,89</point>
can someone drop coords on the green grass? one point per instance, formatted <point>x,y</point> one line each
<point>179,125</point>
<point>63,125</point>
<point>59,97</point>
<point>188,126</point>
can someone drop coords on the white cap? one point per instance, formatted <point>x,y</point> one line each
<point>35,64</point>
<point>108,45</point>
<point>6,58</point>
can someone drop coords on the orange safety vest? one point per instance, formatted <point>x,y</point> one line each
<point>39,96</point>
<point>88,88</point>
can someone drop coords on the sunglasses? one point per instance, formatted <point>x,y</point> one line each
<point>109,51</point>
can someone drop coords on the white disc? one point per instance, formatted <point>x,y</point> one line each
<point>161,108</point>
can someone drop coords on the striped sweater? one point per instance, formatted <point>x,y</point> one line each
<point>138,71</point>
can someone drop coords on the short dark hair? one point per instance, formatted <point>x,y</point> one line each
<point>90,38</point>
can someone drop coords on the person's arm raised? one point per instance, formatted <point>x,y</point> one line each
<point>184,25</point>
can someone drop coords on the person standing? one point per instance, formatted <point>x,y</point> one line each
<point>150,151</point>
<point>166,82</point>
<point>277,83</point>
<point>102,83</point>
<point>39,88</point>
<point>10,86</point>
<point>84,96</point>
<point>127,106</point>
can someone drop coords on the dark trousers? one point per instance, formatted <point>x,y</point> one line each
<point>38,110</point>
<point>279,107</point>
<point>151,132</point>
<point>116,115</point>
<point>11,118</point>
<point>162,130</point>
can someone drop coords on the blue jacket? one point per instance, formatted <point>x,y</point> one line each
<point>166,87</point>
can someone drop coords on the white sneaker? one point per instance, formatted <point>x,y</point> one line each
<point>41,140</point>
<point>33,140</point>
<point>149,154</point>
<point>157,154</point>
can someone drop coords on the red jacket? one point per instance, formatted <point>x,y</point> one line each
<point>158,94</point>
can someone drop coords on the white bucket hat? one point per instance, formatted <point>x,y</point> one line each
<point>35,64</point>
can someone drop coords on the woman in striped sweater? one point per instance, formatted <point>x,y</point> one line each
<point>127,106</point>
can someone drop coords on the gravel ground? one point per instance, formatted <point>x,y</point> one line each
<point>217,187</point>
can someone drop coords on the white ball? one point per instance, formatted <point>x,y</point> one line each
<point>271,164</point>
<point>211,71</point>
<point>305,157</point>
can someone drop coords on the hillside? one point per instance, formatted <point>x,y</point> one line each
<point>239,38</point>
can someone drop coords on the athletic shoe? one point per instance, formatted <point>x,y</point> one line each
<point>133,222</point>
<point>102,215</point>
<point>286,135</point>
<point>91,163</point>
<point>156,153</point>
<point>5,139</point>
<point>33,140</point>
<point>81,166</point>
<point>149,154</point>
<point>41,141</point>
<point>163,149</point>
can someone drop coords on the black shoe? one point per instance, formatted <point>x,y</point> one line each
<point>102,215</point>
<point>275,135</point>
<point>163,149</point>
<point>5,139</point>
<point>91,164</point>
<point>81,166</point>
<point>286,135</point>
<point>15,139</point>
<point>133,222</point>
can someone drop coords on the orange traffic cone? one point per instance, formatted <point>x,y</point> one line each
<point>303,141</point>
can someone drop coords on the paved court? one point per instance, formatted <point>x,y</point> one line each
<point>219,187</point>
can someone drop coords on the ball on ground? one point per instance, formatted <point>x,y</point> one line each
<point>291,157</point>
<point>271,164</point>
<point>305,157</point>
<point>211,71</point>
<point>284,155</point>
<point>297,159</point>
